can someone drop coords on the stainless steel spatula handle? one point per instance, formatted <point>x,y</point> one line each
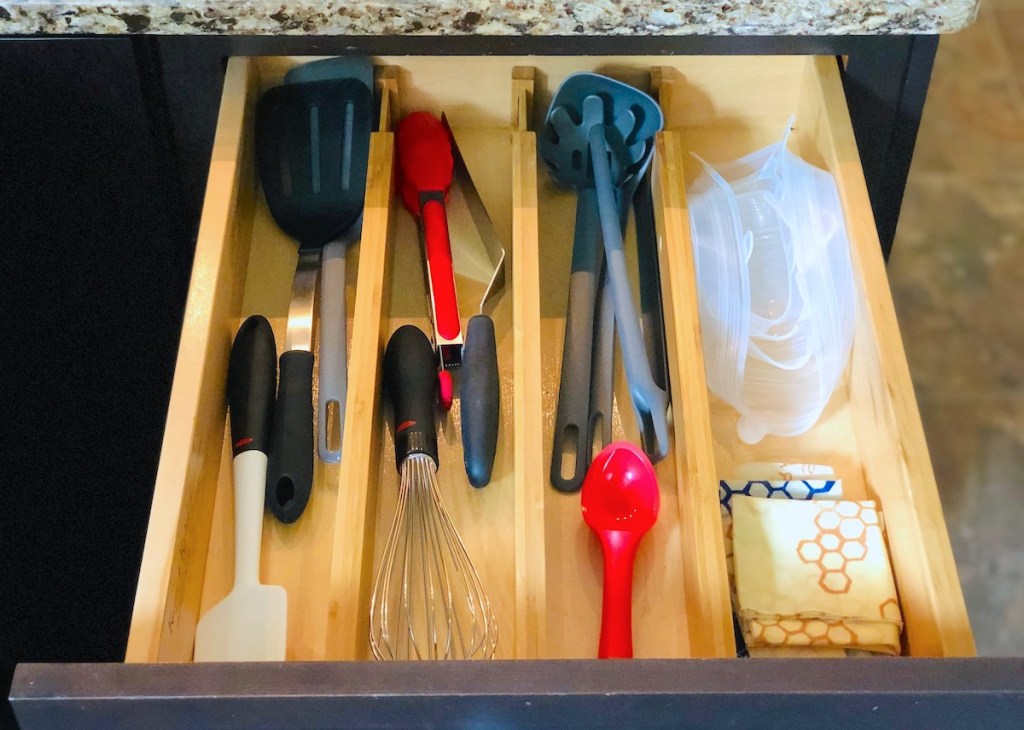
<point>332,388</point>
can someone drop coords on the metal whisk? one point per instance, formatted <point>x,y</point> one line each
<point>428,601</point>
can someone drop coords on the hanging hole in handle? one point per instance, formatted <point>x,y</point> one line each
<point>284,492</point>
<point>570,451</point>
<point>333,426</point>
<point>648,438</point>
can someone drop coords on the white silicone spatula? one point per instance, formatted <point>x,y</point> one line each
<point>250,624</point>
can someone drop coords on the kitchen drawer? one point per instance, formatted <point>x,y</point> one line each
<point>536,557</point>
<point>539,562</point>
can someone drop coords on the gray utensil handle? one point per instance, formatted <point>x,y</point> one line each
<point>333,353</point>
<point>481,399</point>
<point>602,379</point>
<point>573,415</point>
<point>649,401</point>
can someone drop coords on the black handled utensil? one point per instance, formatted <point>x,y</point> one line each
<point>252,372</point>
<point>410,379</point>
<point>480,396</point>
<point>480,389</point>
<point>290,470</point>
<point>312,147</point>
<point>651,318</point>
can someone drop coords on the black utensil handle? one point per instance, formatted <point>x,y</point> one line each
<point>480,399</point>
<point>290,466</point>
<point>410,380</point>
<point>651,319</point>
<point>252,374</point>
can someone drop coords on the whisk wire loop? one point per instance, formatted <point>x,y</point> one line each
<point>428,601</point>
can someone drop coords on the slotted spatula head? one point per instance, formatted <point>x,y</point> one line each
<point>329,69</point>
<point>629,116</point>
<point>312,148</point>
<point>249,625</point>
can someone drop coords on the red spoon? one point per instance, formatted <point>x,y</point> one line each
<point>620,502</point>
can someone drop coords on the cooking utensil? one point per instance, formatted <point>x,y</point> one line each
<point>563,145</point>
<point>332,69</point>
<point>251,623</point>
<point>633,151</point>
<point>651,317</point>
<point>333,361</point>
<point>572,418</point>
<point>428,601</point>
<point>620,502</point>
<point>312,145</point>
<point>481,404</point>
<point>602,378</point>
<point>425,171</point>
<point>602,370</point>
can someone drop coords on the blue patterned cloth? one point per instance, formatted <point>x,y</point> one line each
<point>802,489</point>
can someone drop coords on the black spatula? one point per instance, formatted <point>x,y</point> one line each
<point>312,147</point>
<point>332,352</point>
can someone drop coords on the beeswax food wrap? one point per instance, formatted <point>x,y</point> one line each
<point>799,489</point>
<point>814,574</point>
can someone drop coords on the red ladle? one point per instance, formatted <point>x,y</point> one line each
<point>620,502</point>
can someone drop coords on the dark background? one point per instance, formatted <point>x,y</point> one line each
<point>97,249</point>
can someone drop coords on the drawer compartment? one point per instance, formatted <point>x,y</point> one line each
<point>538,561</point>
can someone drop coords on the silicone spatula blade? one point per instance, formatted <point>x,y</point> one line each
<point>251,622</point>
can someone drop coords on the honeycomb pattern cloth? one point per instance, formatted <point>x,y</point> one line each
<point>814,574</point>
<point>799,489</point>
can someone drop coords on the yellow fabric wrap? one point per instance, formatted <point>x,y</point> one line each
<point>814,574</point>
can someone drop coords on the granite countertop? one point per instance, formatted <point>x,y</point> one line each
<point>486,17</point>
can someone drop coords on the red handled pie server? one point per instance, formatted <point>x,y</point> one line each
<point>425,167</point>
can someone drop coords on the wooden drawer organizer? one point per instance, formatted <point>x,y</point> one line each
<point>539,562</point>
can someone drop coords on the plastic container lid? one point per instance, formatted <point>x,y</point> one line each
<point>775,288</point>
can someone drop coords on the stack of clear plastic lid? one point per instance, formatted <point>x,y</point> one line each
<point>775,288</point>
